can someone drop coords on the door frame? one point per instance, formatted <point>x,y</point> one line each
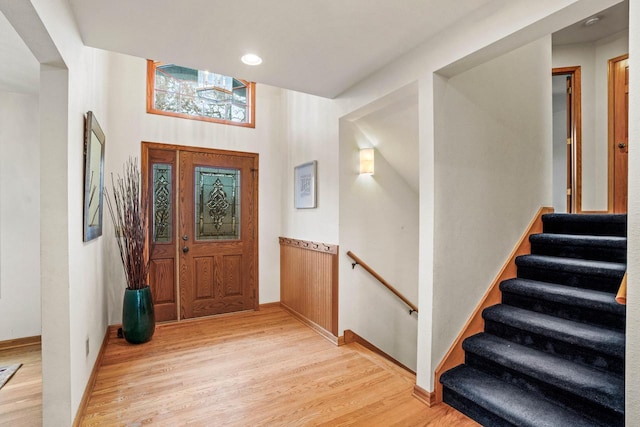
<point>610,130</point>
<point>146,146</point>
<point>574,163</point>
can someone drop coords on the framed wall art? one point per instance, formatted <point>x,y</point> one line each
<point>305,185</point>
<point>93,177</point>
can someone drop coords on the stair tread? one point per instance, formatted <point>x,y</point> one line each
<point>569,295</point>
<point>603,268</point>
<point>595,385</point>
<point>579,239</point>
<point>512,403</point>
<point>604,340</point>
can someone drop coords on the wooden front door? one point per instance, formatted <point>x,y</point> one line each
<point>203,230</point>
<point>618,133</point>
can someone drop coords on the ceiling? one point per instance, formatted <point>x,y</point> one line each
<point>320,47</point>
<point>611,21</point>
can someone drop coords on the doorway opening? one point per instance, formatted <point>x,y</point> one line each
<point>567,139</point>
<point>202,230</point>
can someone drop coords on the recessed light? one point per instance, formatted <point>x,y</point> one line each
<point>589,22</point>
<point>251,59</point>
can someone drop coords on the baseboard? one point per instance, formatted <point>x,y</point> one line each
<point>92,378</point>
<point>424,396</point>
<point>319,329</point>
<point>20,342</point>
<point>269,305</point>
<point>350,336</point>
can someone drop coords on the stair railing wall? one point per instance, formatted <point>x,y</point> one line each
<point>475,324</point>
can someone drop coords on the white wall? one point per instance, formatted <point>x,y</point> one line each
<point>130,124</point>
<point>593,60</point>
<point>496,29</point>
<point>378,223</point>
<point>632,357</point>
<point>311,133</point>
<point>87,287</point>
<point>492,173</point>
<point>19,216</point>
<point>74,306</point>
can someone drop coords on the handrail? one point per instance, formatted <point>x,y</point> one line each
<point>621,296</point>
<point>358,261</point>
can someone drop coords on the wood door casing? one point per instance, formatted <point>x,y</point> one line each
<point>569,102</point>
<point>574,136</point>
<point>618,133</point>
<point>211,278</point>
<point>218,276</point>
<point>162,257</point>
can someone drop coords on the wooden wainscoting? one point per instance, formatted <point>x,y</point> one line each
<point>309,284</point>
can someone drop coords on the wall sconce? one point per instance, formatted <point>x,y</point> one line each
<point>366,161</point>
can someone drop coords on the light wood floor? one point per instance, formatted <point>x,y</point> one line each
<point>21,397</point>
<point>253,369</point>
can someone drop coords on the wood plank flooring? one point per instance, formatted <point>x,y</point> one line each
<point>260,368</point>
<point>21,397</point>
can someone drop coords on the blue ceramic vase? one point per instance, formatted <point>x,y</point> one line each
<point>138,317</point>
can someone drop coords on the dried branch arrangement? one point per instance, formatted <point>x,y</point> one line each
<point>128,211</point>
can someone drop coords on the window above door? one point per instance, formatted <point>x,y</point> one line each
<point>177,91</point>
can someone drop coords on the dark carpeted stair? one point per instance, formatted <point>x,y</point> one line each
<point>552,353</point>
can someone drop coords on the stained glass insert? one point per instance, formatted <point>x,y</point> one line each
<point>200,93</point>
<point>217,200</point>
<point>162,203</point>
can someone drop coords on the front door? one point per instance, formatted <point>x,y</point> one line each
<point>618,133</point>
<point>203,230</point>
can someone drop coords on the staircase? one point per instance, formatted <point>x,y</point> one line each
<point>552,354</point>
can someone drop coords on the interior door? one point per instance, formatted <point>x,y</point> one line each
<point>618,132</point>
<point>202,230</point>
<point>218,227</point>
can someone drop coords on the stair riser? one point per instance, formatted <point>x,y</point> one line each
<point>472,410</point>
<point>567,398</point>
<point>581,314</point>
<point>560,348</point>
<point>586,281</point>
<point>581,252</point>
<point>583,226</point>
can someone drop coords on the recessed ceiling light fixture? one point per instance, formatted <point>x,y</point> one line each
<point>251,59</point>
<point>589,22</point>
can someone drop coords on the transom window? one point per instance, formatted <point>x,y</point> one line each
<point>184,92</point>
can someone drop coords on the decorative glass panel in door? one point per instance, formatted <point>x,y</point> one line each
<point>217,203</point>
<point>159,170</point>
<point>162,203</point>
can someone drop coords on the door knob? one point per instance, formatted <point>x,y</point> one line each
<point>185,249</point>
<point>622,145</point>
